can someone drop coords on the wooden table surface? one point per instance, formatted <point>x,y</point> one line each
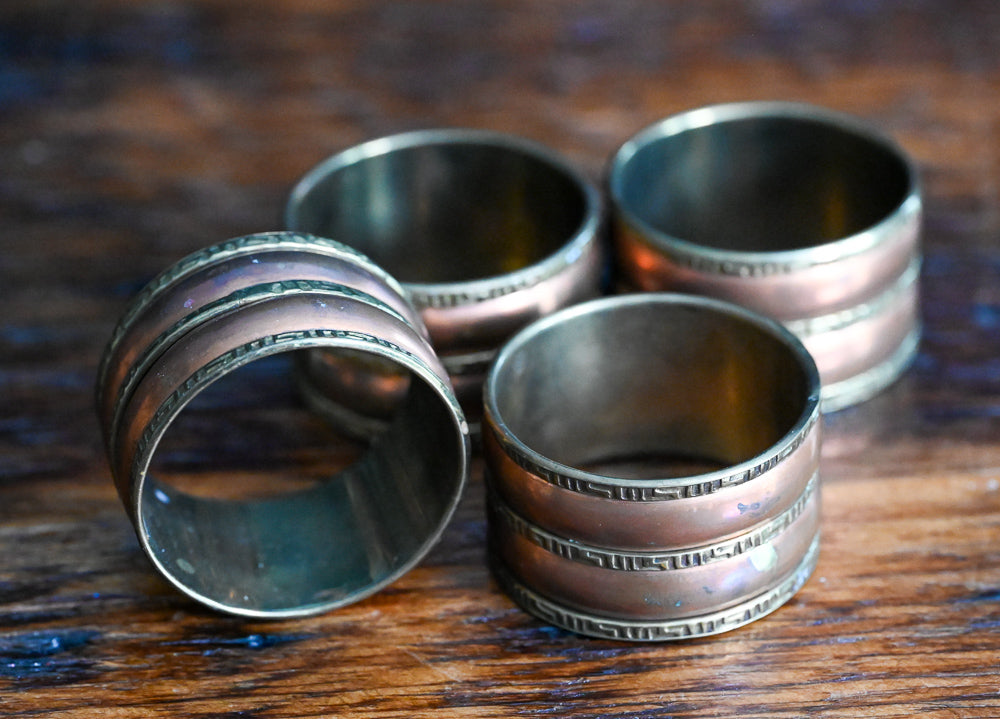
<point>132,133</point>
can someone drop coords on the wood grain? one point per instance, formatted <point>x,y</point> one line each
<point>132,133</point>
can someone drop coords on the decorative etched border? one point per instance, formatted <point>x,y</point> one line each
<point>442,298</point>
<point>233,301</point>
<point>652,631</point>
<point>578,251</point>
<point>902,226</point>
<point>650,492</point>
<point>265,241</point>
<point>696,262</point>
<point>664,560</point>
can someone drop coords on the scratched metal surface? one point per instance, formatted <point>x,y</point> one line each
<point>132,133</point>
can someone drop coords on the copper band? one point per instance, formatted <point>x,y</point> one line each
<point>656,585</point>
<point>166,306</point>
<point>604,627</point>
<point>666,514</point>
<point>869,347</point>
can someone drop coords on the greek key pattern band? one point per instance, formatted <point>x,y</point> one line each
<point>441,298</point>
<point>235,300</point>
<point>652,631</point>
<point>711,265</point>
<point>666,560</point>
<point>698,260</point>
<point>249,244</point>
<point>654,493</point>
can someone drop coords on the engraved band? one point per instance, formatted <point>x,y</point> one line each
<point>744,143</point>
<point>209,275</point>
<point>654,594</point>
<point>624,491</point>
<point>199,261</point>
<point>230,303</point>
<point>592,625</point>
<point>660,560</point>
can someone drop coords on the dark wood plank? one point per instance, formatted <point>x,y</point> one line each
<point>132,133</point>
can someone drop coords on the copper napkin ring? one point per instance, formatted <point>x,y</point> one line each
<point>592,525</point>
<point>799,213</point>
<point>486,231</point>
<point>298,551</point>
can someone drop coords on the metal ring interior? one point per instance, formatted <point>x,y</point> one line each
<point>448,206</point>
<point>760,178</point>
<point>330,544</point>
<point>649,377</point>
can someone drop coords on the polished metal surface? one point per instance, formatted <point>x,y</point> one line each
<point>653,585</point>
<point>864,349</point>
<point>299,547</point>
<point>791,210</point>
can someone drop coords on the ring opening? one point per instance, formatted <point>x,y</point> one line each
<point>447,211</point>
<point>296,517</point>
<point>650,389</point>
<point>762,184</point>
